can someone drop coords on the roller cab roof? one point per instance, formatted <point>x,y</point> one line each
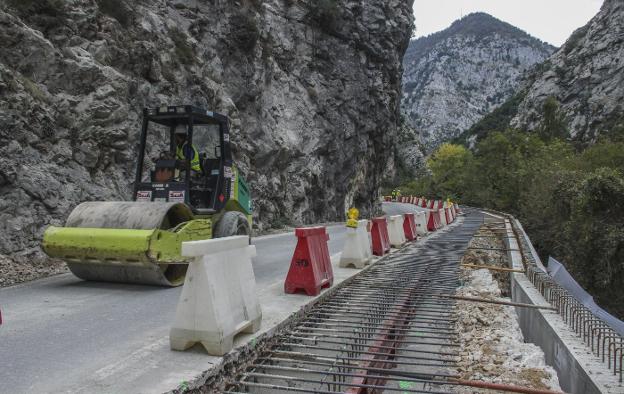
<point>177,114</point>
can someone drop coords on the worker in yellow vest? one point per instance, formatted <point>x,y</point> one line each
<point>185,151</point>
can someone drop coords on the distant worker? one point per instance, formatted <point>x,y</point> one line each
<point>184,151</point>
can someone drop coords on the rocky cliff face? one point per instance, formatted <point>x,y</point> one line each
<point>586,76</point>
<point>312,88</point>
<point>454,77</point>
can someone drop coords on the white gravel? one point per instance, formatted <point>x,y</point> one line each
<point>493,348</point>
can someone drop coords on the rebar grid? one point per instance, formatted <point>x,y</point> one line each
<point>383,331</point>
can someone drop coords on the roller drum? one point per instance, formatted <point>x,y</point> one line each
<point>128,215</point>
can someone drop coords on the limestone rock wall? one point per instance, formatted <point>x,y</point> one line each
<point>454,77</point>
<point>312,87</point>
<point>586,76</point>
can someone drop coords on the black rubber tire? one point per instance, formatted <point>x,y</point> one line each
<point>231,223</point>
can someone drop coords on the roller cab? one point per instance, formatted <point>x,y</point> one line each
<point>186,188</point>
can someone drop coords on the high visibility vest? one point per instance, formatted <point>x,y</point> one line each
<point>183,152</point>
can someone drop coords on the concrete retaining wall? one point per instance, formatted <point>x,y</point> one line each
<point>579,371</point>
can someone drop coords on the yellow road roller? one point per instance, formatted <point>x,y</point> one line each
<point>186,188</point>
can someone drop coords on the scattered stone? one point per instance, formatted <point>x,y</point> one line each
<point>495,350</point>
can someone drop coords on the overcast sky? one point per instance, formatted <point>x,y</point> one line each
<point>549,20</point>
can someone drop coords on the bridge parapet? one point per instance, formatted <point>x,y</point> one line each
<point>586,352</point>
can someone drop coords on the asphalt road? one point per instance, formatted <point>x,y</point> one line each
<point>62,334</point>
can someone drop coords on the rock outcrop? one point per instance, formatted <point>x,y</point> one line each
<point>586,77</point>
<point>454,77</point>
<point>312,87</point>
<point>409,157</point>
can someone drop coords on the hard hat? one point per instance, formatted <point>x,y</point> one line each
<point>180,130</point>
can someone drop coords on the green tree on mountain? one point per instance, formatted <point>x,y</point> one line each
<point>553,122</point>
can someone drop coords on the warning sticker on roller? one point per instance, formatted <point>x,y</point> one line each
<point>176,196</point>
<point>144,196</point>
<point>227,172</point>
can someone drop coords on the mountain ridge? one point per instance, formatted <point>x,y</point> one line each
<point>471,24</point>
<point>582,78</point>
<point>454,77</point>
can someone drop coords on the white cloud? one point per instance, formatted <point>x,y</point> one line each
<point>549,20</point>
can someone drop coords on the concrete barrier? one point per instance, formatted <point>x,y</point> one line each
<point>219,298</point>
<point>395,230</point>
<point>357,251</point>
<point>421,223</point>
<point>579,371</point>
<point>441,217</point>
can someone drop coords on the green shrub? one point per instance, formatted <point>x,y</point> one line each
<point>570,202</point>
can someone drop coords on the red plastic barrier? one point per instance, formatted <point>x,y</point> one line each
<point>431,226</point>
<point>409,226</point>
<point>430,204</point>
<point>379,233</point>
<point>424,203</point>
<point>449,216</point>
<point>310,267</point>
<point>435,220</point>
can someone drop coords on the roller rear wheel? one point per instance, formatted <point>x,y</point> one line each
<point>232,223</point>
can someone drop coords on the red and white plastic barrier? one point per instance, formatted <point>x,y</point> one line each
<point>421,223</point>
<point>310,267</point>
<point>395,231</point>
<point>409,226</point>
<point>357,250</point>
<point>379,235</point>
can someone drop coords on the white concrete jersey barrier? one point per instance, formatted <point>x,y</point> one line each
<point>357,250</point>
<point>219,298</point>
<point>421,223</point>
<point>395,230</point>
<point>442,217</point>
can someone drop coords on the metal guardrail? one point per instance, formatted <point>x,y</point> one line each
<point>603,341</point>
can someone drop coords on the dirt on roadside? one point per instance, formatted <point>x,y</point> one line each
<point>14,270</point>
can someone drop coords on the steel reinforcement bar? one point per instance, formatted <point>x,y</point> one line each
<point>387,329</point>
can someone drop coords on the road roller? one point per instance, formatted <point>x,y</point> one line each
<point>186,188</point>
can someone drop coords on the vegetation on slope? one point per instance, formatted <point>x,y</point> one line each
<point>569,200</point>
